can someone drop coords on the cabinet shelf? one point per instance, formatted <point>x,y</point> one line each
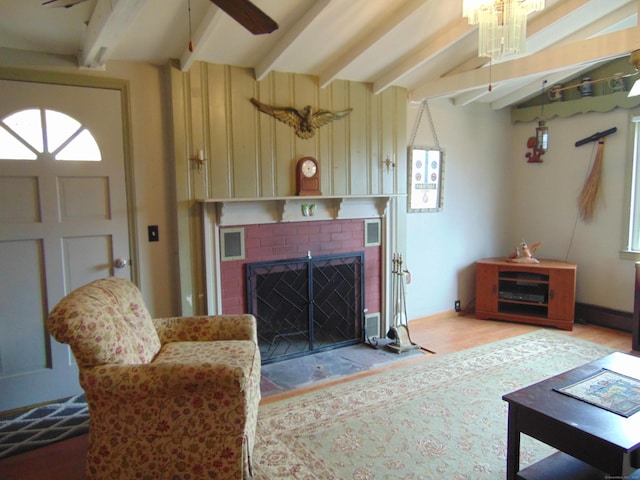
<point>542,293</point>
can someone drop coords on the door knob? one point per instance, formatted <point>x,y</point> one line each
<point>120,263</point>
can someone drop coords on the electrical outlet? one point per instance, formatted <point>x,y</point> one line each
<point>456,305</point>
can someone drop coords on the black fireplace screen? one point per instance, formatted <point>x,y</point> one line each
<point>306,305</point>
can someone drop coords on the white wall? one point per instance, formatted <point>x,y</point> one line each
<point>493,199</point>
<point>154,183</point>
<point>545,203</point>
<point>475,221</point>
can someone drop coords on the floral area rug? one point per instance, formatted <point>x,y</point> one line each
<point>440,418</point>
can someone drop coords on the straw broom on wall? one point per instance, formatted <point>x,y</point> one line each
<point>589,193</point>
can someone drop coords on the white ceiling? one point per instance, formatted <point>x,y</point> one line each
<point>423,45</point>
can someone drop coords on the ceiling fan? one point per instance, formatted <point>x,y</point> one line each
<point>248,15</point>
<point>242,11</point>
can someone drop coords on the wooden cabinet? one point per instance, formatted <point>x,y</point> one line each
<point>538,293</point>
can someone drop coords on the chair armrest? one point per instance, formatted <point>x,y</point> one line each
<point>166,380</point>
<point>207,328</point>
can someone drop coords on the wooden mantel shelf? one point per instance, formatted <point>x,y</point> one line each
<point>251,211</point>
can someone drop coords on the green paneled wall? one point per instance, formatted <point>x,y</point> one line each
<point>249,154</point>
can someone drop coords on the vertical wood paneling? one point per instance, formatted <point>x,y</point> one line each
<point>251,154</point>
<point>324,142</point>
<point>283,95</point>
<point>244,148</point>
<point>359,154</point>
<point>399,135</point>
<point>198,131</point>
<point>305,90</point>
<point>387,145</point>
<point>340,140</point>
<point>218,156</point>
<point>270,177</point>
<point>375,138</point>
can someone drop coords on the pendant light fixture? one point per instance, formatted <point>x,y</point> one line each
<point>502,25</point>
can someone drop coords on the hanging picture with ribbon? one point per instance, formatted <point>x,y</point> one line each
<point>425,179</point>
<point>426,168</point>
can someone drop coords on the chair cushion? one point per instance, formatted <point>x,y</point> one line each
<point>105,321</point>
<point>226,364</point>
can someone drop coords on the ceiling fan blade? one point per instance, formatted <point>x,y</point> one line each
<point>62,3</point>
<point>248,15</point>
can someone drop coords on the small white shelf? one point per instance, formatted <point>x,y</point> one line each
<point>568,108</point>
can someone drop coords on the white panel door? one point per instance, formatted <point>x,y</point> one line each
<point>63,223</point>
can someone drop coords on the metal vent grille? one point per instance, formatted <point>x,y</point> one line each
<point>232,244</point>
<point>372,233</point>
<point>372,325</point>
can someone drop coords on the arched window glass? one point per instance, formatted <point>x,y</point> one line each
<point>13,149</point>
<point>24,134</point>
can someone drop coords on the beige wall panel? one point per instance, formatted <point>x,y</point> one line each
<point>399,135</point>
<point>284,138</point>
<point>375,144</point>
<point>305,90</point>
<point>197,132</point>
<point>387,144</point>
<point>218,155</point>
<point>244,144</point>
<point>360,130</point>
<point>267,158</point>
<point>339,131</point>
<point>324,149</point>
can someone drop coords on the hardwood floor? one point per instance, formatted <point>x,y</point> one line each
<point>445,333</point>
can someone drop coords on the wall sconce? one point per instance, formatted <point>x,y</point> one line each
<point>389,164</point>
<point>198,159</point>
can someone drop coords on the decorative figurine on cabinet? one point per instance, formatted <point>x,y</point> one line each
<point>524,254</point>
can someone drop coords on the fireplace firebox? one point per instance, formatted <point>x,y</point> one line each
<point>306,305</point>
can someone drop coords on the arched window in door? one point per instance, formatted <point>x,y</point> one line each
<point>33,133</point>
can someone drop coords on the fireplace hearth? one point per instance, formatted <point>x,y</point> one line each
<point>306,305</point>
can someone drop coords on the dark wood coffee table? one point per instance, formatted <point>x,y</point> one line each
<point>592,442</point>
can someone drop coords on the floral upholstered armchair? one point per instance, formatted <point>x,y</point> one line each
<point>173,398</point>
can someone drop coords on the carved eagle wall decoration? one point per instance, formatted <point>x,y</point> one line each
<point>305,121</point>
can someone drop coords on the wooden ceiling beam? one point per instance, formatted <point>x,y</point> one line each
<point>205,28</point>
<point>108,23</point>
<point>353,52</point>
<point>269,61</point>
<point>553,59</point>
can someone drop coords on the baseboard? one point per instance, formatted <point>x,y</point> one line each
<point>604,317</point>
<point>584,313</point>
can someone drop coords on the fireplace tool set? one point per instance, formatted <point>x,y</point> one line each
<point>399,330</point>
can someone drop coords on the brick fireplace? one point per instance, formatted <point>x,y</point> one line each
<point>282,241</point>
<point>274,229</point>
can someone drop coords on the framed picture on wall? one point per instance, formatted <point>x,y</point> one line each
<point>426,168</point>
